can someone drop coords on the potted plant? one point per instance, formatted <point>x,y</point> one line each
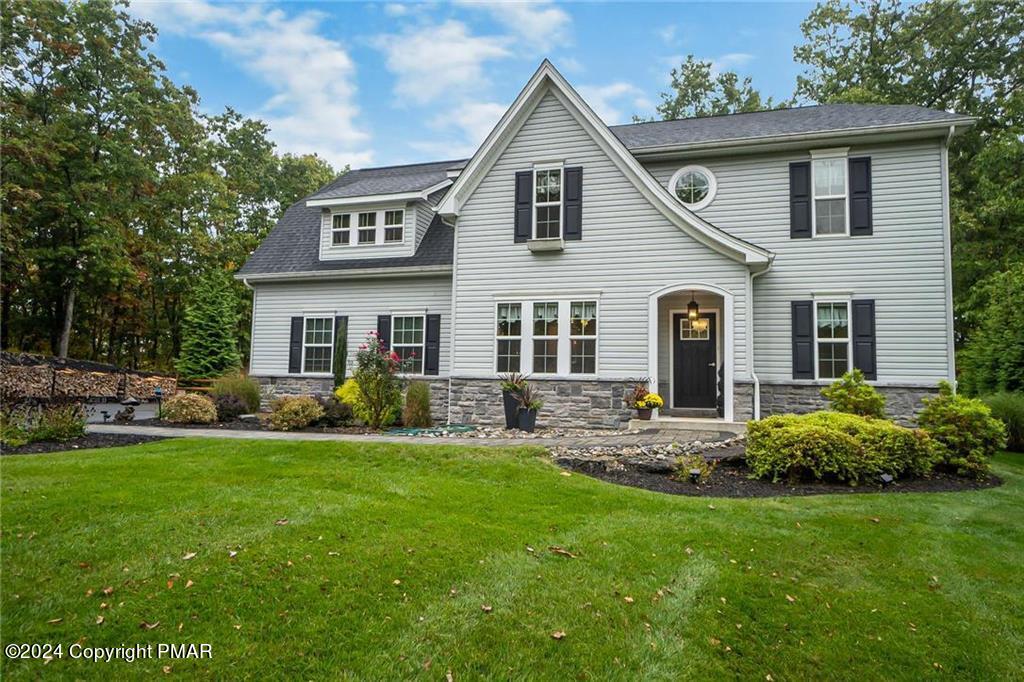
<point>512,385</point>
<point>528,406</point>
<point>644,402</point>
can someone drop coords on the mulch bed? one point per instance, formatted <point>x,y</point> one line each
<point>249,425</point>
<point>89,440</point>
<point>731,479</point>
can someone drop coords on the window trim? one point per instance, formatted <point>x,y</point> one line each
<point>400,225</point>
<point>584,337</point>
<point>565,300</point>
<point>347,230</point>
<point>712,185</point>
<point>422,345</point>
<point>540,168</point>
<point>498,338</point>
<point>306,317</point>
<point>849,336</point>
<point>546,337</point>
<point>379,228</point>
<point>827,155</point>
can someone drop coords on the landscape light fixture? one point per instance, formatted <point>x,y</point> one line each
<point>887,479</point>
<point>695,476</point>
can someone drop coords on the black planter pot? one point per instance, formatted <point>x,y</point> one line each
<point>511,409</point>
<point>527,419</point>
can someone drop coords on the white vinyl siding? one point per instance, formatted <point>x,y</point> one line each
<point>900,266</point>
<point>362,301</point>
<point>629,249</point>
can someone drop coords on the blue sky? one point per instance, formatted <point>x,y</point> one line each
<point>390,83</point>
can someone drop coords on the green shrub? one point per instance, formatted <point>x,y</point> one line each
<point>209,347</point>
<point>189,408</point>
<point>380,387</point>
<point>836,446</point>
<point>992,358</point>
<point>13,433</point>
<point>417,406</point>
<point>1009,409</point>
<point>229,407</point>
<point>60,423</point>
<point>694,462</point>
<point>336,413</point>
<point>237,384</point>
<point>965,428</point>
<point>850,393</point>
<point>294,412</point>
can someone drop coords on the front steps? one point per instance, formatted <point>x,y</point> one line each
<point>691,428</point>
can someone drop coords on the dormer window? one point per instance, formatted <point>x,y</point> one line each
<point>393,224</point>
<point>367,228</point>
<point>547,202</point>
<point>341,235</point>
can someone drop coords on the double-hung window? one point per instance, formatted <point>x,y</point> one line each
<point>407,341</point>
<point>340,232</point>
<point>583,337</point>
<point>547,203</point>
<point>545,338</point>
<point>367,228</point>
<point>393,223</point>
<point>317,344</point>
<point>509,334</point>
<point>829,183</point>
<point>832,338</point>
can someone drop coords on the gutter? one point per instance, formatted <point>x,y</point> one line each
<point>358,273</point>
<point>750,338</point>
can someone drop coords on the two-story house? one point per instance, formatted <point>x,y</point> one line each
<point>738,262</point>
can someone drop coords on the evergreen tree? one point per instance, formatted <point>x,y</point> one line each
<point>208,346</point>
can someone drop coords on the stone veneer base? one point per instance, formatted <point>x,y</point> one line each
<point>567,403</point>
<point>316,386</point>
<point>902,403</point>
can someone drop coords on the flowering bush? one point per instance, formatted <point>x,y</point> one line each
<point>650,401</point>
<point>380,387</point>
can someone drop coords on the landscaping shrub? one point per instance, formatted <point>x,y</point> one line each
<point>209,347</point>
<point>237,384</point>
<point>336,413</point>
<point>12,428</point>
<point>837,446</point>
<point>380,387</point>
<point>60,423</point>
<point>189,408</point>
<point>1009,409</point>
<point>992,358</point>
<point>229,407</point>
<point>965,428</point>
<point>694,462</point>
<point>850,393</point>
<point>417,406</point>
<point>294,412</point>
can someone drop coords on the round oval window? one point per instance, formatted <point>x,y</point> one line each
<point>695,186</point>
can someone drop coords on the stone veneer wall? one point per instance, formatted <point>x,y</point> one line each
<point>742,402</point>
<point>902,403</point>
<point>567,403</point>
<point>323,386</point>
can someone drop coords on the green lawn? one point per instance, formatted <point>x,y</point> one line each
<point>390,552</point>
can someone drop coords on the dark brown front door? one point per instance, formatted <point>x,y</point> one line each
<point>694,363</point>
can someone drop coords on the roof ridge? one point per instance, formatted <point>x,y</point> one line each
<point>406,165</point>
<point>768,111</point>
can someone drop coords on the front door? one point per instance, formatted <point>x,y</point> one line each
<point>694,362</point>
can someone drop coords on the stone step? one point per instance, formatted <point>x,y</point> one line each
<point>693,427</point>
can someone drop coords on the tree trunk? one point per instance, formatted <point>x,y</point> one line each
<point>65,332</point>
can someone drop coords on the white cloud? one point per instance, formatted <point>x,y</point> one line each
<point>539,24</point>
<point>395,9</point>
<point>667,34</point>
<point>730,61</point>
<point>471,122</point>
<point>435,61</point>
<point>607,100</point>
<point>313,107</point>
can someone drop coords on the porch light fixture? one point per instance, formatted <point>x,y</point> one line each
<point>692,309</point>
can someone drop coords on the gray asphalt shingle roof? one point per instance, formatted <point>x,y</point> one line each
<point>293,245</point>
<point>796,121</point>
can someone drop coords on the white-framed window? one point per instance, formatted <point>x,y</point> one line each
<point>509,337</point>
<point>341,234</point>
<point>832,338</point>
<point>829,186</point>
<point>394,222</point>
<point>690,332</point>
<point>695,186</point>
<point>545,337</point>
<point>583,337</point>
<point>317,345</point>
<point>407,340</point>
<point>368,228</point>
<point>547,202</point>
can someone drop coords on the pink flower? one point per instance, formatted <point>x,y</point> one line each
<point>394,356</point>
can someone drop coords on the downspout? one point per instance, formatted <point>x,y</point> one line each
<point>451,314</point>
<point>947,244</point>
<point>252,321</point>
<point>750,338</point>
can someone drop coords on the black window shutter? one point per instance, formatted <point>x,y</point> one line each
<point>864,346</point>
<point>803,339</point>
<point>524,206</point>
<point>860,196</point>
<point>384,330</point>
<point>295,347</point>
<point>340,346</point>
<point>572,205</point>
<point>800,200</point>
<point>432,347</point>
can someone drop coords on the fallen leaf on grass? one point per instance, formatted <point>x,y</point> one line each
<point>170,584</point>
<point>628,600</point>
<point>875,519</point>
<point>562,551</point>
<point>189,584</point>
<point>99,620</point>
<point>189,556</point>
<point>54,621</point>
<point>281,522</point>
<point>166,669</point>
<point>711,506</point>
<point>448,677</point>
<point>689,551</point>
<point>232,554</point>
<point>790,599</point>
<point>486,608</point>
<point>396,582</point>
<point>558,634</point>
<point>566,473</point>
<point>108,591</point>
<point>149,626</point>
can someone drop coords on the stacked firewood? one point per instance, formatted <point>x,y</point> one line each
<point>25,377</point>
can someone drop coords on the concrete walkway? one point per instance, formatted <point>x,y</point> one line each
<point>623,440</point>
